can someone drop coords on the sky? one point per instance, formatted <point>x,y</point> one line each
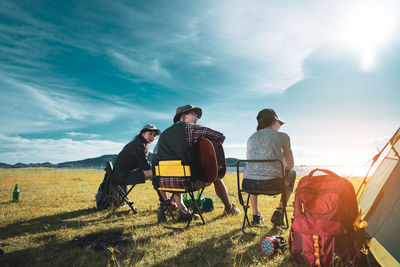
<point>79,79</point>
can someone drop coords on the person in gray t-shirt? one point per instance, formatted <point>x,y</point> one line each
<point>268,143</point>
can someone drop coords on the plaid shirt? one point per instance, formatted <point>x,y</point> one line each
<point>196,131</point>
<point>193,132</point>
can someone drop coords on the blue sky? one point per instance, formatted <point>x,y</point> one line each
<point>79,79</point>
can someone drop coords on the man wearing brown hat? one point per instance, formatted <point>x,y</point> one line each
<point>176,143</point>
<point>268,143</point>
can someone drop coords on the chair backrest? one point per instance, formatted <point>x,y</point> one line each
<point>276,186</point>
<point>172,175</point>
<point>172,168</point>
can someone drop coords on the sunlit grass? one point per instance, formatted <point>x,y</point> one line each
<point>57,206</point>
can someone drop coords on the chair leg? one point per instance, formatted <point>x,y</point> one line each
<point>164,206</point>
<point>124,198</point>
<point>117,205</point>
<point>196,207</point>
<point>286,223</point>
<point>168,209</point>
<point>246,217</point>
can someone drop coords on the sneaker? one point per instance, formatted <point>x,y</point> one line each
<point>257,219</point>
<point>196,217</point>
<point>277,217</point>
<point>232,211</point>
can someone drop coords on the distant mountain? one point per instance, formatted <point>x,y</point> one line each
<point>231,162</point>
<point>91,163</point>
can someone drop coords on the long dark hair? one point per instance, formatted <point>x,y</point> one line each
<point>147,144</point>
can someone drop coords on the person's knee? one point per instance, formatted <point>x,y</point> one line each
<point>218,183</point>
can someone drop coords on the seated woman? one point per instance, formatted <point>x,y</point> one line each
<point>131,166</point>
<point>268,143</point>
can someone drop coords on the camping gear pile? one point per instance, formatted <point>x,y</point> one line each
<point>205,204</point>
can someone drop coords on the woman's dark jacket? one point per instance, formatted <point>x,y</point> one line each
<point>133,156</point>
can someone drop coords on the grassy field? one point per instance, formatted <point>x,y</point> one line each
<point>55,223</point>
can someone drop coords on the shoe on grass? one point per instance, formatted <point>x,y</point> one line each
<point>185,216</point>
<point>257,219</point>
<point>277,217</point>
<point>161,214</point>
<point>232,211</point>
<point>173,206</point>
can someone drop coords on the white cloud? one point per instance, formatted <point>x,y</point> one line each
<point>279,36</point>
<point>82,134</point>
<point>147,68</point>
<point>33,108</point>
<point>18,149</point>
<point>204,60</point>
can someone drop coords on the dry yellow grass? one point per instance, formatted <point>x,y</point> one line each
<point>57,206</point>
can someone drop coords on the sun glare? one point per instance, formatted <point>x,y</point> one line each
<point>367,29</point>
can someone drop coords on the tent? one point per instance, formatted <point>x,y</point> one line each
<point>380,204</point>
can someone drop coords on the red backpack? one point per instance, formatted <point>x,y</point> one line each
<point>325,208</point>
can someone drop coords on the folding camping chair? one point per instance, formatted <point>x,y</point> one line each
<point>120,189</point>
<point>174,177</point>
<point>260,192</point>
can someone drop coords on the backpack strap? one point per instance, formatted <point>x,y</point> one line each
<point>325,171</point>
<point>316,251</point>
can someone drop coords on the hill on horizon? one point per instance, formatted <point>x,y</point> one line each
<point>90,163</point>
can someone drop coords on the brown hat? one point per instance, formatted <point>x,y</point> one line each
<point>265,117</point>
<point>150,127</point>
<point>187,108</point>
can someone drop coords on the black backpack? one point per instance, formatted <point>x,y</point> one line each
<point>107,195</point>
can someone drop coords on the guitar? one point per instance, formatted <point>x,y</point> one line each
<point>209,160</point>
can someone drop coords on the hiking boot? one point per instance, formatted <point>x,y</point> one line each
<point>161,214</point>
<point>232,211</point>
<point>172,206</point>
<point>185,216</point>
<point>277,217</point>
<point>257,219</point>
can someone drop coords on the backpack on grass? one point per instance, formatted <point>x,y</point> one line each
<point>322,232</point>
<point>107,195</point>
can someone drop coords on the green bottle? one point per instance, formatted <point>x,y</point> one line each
<point>16,193</point>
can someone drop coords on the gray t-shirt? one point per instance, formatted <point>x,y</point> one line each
<point>268,144</point>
